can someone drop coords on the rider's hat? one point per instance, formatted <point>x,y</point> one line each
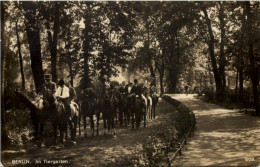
<point>135,81</point>
<point>47,76</point>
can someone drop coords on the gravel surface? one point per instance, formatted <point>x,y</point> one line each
<point>222,137</point>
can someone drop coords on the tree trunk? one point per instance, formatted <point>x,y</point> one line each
<point>33,36</point>
<point>152,73</point>
<point>161,83</point>
<point>241,83</point>
<point>53,42</point>
<point>87,47</point>
<point>254,73</point>
<point>5,141</point>
<point>71,74</point>
<point>217,75</point>
<point>237,75</point>
<point>241,59</point>
<point>222,62</point>
<point>20,55</point>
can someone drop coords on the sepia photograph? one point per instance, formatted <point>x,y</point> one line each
<point>130,83</point>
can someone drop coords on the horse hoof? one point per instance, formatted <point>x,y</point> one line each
<point>74,143</point>
<point>114,136</point>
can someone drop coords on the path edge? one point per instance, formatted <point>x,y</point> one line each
<point>183,109</point>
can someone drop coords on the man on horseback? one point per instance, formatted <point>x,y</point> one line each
<point>49,85</point>
<point>153,90</point>
<point>136,89</point>
<point>123,88</point>
<point>62,94</point>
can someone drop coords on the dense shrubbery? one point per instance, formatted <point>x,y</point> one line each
<point>232,98</point>
<point>18,126</point>
<point>156,147</point>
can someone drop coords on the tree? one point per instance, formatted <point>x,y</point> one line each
<point>51,13</point>
<point>20,55</point>
<point>33,37</point>
<point>217,70</point>
<point>254,70</point>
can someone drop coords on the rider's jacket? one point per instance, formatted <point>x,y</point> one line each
<point>50,85</point>
<point>123,89</point>
<point>137,90</point>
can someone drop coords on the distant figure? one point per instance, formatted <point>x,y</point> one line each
<point>186,89</point>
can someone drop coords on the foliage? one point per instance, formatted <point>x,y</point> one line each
<point>18,124</point>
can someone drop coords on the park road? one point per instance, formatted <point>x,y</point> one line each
<point>222,137</point>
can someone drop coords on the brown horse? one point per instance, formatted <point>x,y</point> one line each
<point>107,106</point>
<point>155,101</point>
<point>89,108</point>
<point>137,110</point>
<point>42,110</point>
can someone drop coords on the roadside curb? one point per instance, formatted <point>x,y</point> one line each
<point>187,112</point>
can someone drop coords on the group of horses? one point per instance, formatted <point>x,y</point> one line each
<point>122,108</point>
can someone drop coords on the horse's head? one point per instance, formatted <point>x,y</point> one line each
<point>22,100</point>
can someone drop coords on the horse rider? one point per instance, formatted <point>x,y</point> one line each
<point>143,92</point>
<point>62,94</point>
<point>137,91</point>
<point>49,85</point>
<point>123,88</point>
<point>153,90</point>
<point>129,87</point>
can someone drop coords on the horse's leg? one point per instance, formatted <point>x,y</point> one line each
<point>113,126</point>
<point>62,127</point>
<point>133,119</point>
<point>117,115</point>
<point>75,120</point>
<point>41,134</point>
<point>92,124</point>
<point>109,126</point>
<point>36,130</point>
<point>71,130</point>
<point>128,116</point>
<point>154,111</point>
<point>79,119</point>
<point>98,117</point>
<point>120,116</point>
<point>138,118</point>
<point>151,112</point>
<point>54,125</point>
<point>66,129</point>
<point>85,124</point>
<point>104,125</point>
<point>144,113</point>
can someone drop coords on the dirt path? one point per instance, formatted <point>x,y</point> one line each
<point>97,150</point>
<point>222,137</point>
